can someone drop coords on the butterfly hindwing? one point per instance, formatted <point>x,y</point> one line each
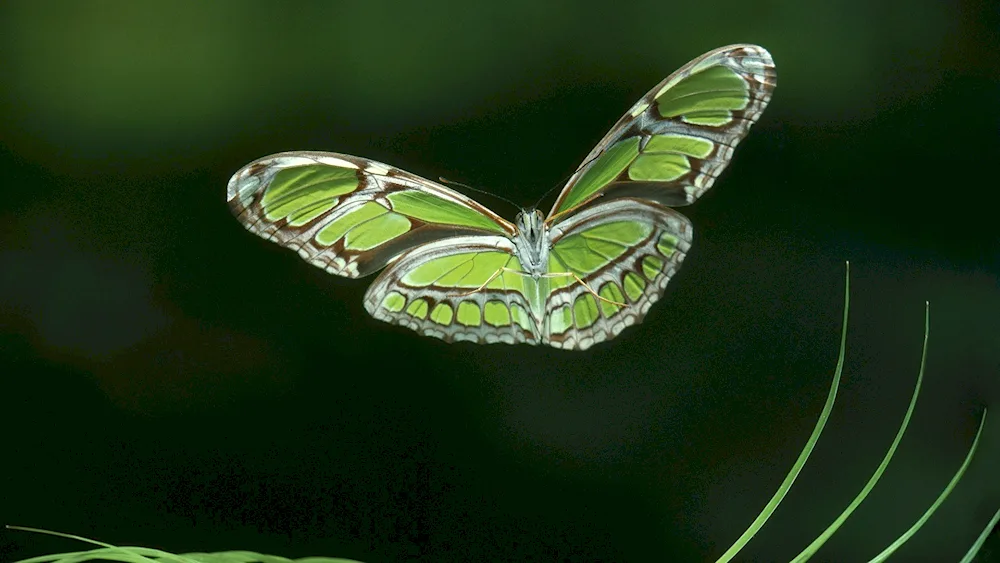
<point>468,288</point>
<point>350,216</point>
<point>676,140</point>
<point>625,250</point>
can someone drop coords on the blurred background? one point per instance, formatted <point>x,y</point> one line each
<point>172,381</point>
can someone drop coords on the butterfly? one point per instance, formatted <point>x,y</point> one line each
<point>578,276</point>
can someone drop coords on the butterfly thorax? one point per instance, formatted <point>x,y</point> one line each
<point>532,241</point>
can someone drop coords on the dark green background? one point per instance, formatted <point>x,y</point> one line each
<point>170,380</point>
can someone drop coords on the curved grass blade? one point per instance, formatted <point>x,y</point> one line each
<point>944,494</point>
<point>106,551</point>
<point>109,552</point>
<point>811,549</point>
<point>978,544</point>
<point>58,534</point>
<point>779,495</point>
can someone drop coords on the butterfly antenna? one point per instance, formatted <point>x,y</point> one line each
<point>566,179</point>
<point>484,192</point>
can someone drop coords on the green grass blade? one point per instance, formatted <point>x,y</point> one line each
<point>107,551</point>
<point>149,555</point>
<point>137,554</point>
<point>58,534</point>
<point>779,495</point>
<point>811,549</point>
<point>114,553</point>
<point>944,494</point>
<point>978,544</point>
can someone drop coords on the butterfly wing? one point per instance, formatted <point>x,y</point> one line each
<point>469,288</point>
<point>625,250</point>
<point>676,140</point>
<point>351,216</point>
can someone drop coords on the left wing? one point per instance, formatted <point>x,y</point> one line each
<point>676,140</point>
<point>348,215</point>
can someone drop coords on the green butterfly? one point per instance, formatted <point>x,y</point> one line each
<point>457,271</point>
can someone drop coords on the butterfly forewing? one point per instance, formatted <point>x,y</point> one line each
<point>676,140</point>
<point>350,216</point>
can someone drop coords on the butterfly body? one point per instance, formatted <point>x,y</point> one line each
<point>532,241</point>
<point>455,270</point>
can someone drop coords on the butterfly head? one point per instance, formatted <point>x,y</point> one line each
<point>532,241</point>
<point>530,223</point>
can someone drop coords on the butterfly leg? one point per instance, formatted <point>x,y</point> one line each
<point>487,282</point>
<point>587,287</point>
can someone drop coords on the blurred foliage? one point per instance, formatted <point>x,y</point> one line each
<point>162,80</point>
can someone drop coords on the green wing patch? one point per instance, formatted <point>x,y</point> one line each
<point>299,195</point>
<point>432,209</point>
<point>603,171</point>
<point>705,97</point>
